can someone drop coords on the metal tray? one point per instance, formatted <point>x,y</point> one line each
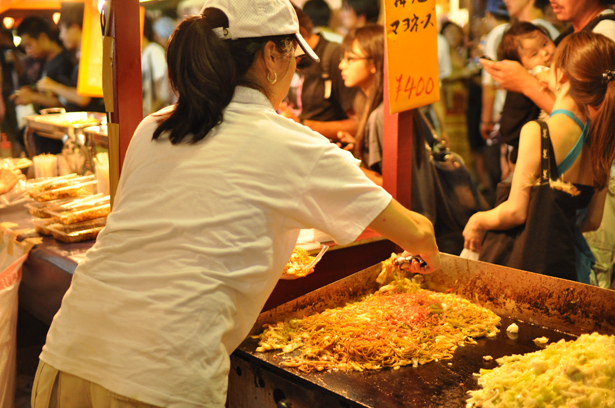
<point>56,125</point>
<point>540,305</point>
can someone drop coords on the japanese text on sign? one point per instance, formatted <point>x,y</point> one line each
<point>412,53</point>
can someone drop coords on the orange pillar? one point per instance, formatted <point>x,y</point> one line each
<point>128,100</point>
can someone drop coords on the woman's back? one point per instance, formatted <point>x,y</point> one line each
<point>565,134</point>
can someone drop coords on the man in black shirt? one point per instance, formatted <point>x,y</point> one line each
<point>71,29</point>
<point>326,103</point>
<point>39,39</point>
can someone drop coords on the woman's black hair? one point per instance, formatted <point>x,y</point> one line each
<point>204,71</point>
<point>318,11</point>
<point>368,8</point>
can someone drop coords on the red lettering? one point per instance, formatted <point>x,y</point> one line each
<point>414,89</point>
<point>420,90</point>
<point>410,82</point>
<point>398,86</point>
<point>429,90</point>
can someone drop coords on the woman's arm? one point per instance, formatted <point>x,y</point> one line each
<point>595,212</point>
<point>512,212</point>
<point>411,231</point>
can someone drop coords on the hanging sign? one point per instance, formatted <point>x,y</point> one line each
<point>90,65</point>
<point>412,53</point>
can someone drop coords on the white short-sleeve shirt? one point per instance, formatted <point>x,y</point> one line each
<point>197,239</point>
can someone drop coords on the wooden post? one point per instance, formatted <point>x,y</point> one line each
<point>122,56</point>
<point>397,149</point>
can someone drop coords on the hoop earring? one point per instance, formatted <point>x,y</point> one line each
<point>274,80</point>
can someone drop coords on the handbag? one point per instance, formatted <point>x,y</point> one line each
<point>457,196</point>
<point>545,244</point>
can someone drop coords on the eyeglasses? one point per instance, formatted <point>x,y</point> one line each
<point>350,60</point>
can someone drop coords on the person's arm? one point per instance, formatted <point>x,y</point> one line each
<point>26,96</point>
<point>512,212</point>
<point>373,176</point>
<point>411,231</point>
<point>595,212</point>
<point>513,77</point>
<point>486,121</point>
<point>331,129</point>
<point>47,84</point>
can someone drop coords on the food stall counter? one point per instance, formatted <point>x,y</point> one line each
<point>47,272</point>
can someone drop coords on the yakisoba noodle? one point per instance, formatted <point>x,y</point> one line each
<point>299,259</point>
<point>399,325</point>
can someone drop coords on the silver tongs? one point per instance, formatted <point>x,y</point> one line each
<point>317,258</point>
<point>401,261</point>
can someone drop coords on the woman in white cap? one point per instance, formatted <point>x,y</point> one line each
<point>209,205</point>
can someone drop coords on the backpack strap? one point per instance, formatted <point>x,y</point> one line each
<point>325,60</point>
<point>589,27</point>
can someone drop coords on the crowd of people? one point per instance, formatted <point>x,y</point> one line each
<point>259,126</point>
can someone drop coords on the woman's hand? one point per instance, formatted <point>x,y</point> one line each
<point>346,141</point>
<point>509,74</point>
<point>474,234</point>
<point>486,128</point>
<point>432,263</point>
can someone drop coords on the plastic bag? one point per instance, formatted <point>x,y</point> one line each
<point>10,278</point>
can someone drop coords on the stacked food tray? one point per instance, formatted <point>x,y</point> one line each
<point>65,208</point>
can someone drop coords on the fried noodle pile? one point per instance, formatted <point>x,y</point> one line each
<point>399,325</point>
<point>298,262</point>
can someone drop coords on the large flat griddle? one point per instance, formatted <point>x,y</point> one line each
<point>539,305</point>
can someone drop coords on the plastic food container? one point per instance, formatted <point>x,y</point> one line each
<point>73,190</point>
<point>39,208</point>
<point>82,231</point>
<point>62,187</point>
<point>81,210</point>
<point>38,185</point>
<point>41,225</point>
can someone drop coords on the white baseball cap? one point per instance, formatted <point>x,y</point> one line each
<point>260,18</point>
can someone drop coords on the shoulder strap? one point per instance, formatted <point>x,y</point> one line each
<point>325,60</point>
<point>570,115</point>
<point>601,17</point>
<point>548,166</point>
<point>574,152</point>
<point>589,27</point>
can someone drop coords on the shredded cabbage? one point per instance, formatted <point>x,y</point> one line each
<point>579,373</point>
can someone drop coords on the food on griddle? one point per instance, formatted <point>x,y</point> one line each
<point>541,341</point>
<point>513,328</point>
<point>579,373</point>
<point>399,325</point>
<point>297,263</point>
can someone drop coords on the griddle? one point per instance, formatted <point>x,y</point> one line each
<point>539,305</point>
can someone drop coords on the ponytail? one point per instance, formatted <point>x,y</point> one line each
<point>204,71</point>
<point>602,138</point>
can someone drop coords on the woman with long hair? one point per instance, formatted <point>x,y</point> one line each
<point>582,133</point>
<point>363,66</point>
